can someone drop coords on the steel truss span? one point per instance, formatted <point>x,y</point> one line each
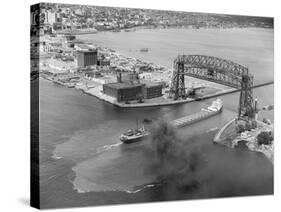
<point>217,70</point>
<point>208,68</point>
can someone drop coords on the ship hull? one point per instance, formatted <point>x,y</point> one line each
<point>133,140</point>
<point>199,116</point>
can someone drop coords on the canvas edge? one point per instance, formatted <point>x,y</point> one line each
<point>34,120</point>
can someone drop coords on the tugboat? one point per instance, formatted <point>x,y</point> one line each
<point>134,135</point>
<point>144,50</point>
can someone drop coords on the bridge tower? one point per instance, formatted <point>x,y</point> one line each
<point>178,84</point>
<point>246,110</point>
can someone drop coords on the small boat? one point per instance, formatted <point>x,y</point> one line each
<point>144,50</point>
<point>146,120</point>
<point>134,135</point>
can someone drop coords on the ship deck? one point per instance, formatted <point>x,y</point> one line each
<point>190,119</point>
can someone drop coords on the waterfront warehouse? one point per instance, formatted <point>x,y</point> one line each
<point>123,91</point>
<point>152,90</point>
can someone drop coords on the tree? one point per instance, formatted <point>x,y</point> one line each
<point>254,124</point>
<point>264,138</point>
<point>265,120</point>
<point>240,128</point>
<point>248,126</point>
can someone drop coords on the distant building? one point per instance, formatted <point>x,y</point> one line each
<point>50,17</point>
<point>145,76</point>
<point>87,58</point>
<point>78,11</point>
<point>132,78</point>
<point>92,74</point>
<point>81,46</point>
<point>58,26</point>
<point>104,62</point>
<point>70,37</point>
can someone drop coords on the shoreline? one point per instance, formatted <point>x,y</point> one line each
<point>145,27</point>
<point>173,102</point>
<point>264,149</point>
<point>96,92</point>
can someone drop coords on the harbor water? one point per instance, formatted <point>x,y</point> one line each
<point>84,163</point>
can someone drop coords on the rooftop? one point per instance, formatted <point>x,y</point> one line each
<point>149,84</point>
<point>118,85</point>
<point>87,51</point>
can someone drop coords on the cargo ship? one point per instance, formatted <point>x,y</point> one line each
<point>215,108</point>
<point>134,135</point>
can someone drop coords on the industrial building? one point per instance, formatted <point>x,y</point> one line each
<point>87,58</point>
<point>130,88</point>
<point>132,78</point>
<point>152,90</point>
<point>103,62</point>
<point>123,91</point>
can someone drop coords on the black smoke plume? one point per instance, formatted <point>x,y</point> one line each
<point>189,168</point>
<point>173,162</point>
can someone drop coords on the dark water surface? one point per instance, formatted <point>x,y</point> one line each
<point>83,162</point>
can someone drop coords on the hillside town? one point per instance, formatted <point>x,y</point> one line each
<point>62,18</point>
<point>108,75</point>
<point>66,60</point>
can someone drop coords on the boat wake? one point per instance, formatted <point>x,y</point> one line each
<point>107,147</point>
<point>212,129</point>
<point>55,157</point>
<point>139,189</point>
<point>142,188</point>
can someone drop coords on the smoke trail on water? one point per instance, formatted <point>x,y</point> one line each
<point>205,170</point>
<point>173,163</point>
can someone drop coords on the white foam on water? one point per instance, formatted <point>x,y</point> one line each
<point>54,156</point>
<point>107,147</point>
<point>140,189</point>
<point>212,129</point>
<point>81,191</point>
